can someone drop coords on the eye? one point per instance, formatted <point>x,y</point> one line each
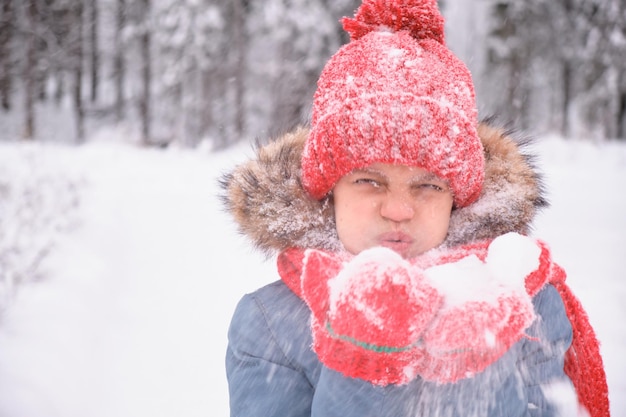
<point>431,186</point>
<point>368,181</point>
<point>435,187</point>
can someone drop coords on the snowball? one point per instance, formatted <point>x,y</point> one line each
<point>512,257</point>
<point>466,280</point>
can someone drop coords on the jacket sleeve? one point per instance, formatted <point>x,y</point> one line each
<point>262,381</point>
<point>542,355</point>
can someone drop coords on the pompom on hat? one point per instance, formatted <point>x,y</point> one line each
<point>395,94</point>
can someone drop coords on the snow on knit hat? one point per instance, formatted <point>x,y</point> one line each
<point>395,94</point>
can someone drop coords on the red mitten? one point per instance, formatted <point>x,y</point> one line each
<point>445,316</point>
<point>318,269</point>
<point>369,319</point>
<point>486,309</point>
<point>380,299</point>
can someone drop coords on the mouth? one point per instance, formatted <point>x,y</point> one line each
<point>396,241</point>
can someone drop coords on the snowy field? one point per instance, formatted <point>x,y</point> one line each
<point>132,315</point>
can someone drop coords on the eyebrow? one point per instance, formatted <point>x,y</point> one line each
<point>367,171</point>
<point>427,176</point>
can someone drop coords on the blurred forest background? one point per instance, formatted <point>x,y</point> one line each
<point>218,71</point>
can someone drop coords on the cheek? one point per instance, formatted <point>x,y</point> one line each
<point>434,217</point>
<point>345,215</point>
<point>439,219</point>
<point>355,211</point>
<point>353,221</point>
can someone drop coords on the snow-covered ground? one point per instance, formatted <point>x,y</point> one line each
<point>131,317</point>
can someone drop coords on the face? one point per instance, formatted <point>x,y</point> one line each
<point>406,209</point>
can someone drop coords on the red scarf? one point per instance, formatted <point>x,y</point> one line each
<point>448,349</point>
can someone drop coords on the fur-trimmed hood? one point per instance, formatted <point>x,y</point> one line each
<point>267,200</point>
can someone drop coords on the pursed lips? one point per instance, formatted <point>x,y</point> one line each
<point>396,241</point>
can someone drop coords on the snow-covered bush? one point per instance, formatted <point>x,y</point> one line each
<point>37,203</point>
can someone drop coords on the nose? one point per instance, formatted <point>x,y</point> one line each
<point>396,206</point>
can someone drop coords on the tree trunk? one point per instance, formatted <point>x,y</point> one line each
<point>239,26</point>
<point>30,82</point>
<point>95,51</point>
<point>146,75</point>
<point>566,85</point>
<point>513,88</point>
<point>79,109</point>
<point>59,90</point>
<point>61,23</point>
<point>6,34</point>
<point>119,67</point>
<point>621,117</point>
<point>42,48</point>
<point>207,119</point>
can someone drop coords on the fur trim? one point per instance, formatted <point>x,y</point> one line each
<point>267,200</point>
<point>512,192</point>
<point>269,204</point>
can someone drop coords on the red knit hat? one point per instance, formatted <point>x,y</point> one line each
<point>395,94</point>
